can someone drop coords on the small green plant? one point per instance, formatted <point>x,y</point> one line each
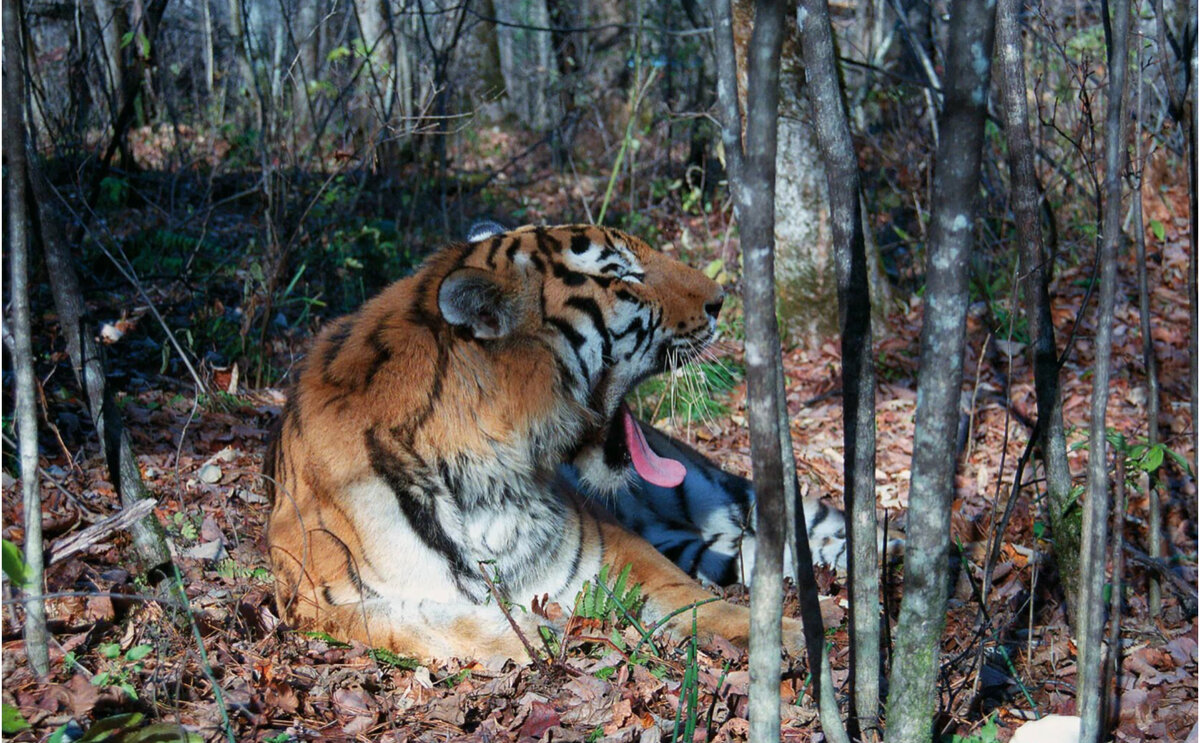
<point>186,526</point>
<point>688,712</point>
<point>385,657</point>
<point>231,571</point>
<point>124,728</point>
<point>327,638</point>
<point>989,732</point>
<point>113,192</point>
<point>13,722</point>
<point>604,601</point>
<point>121,667</point>
<point>14,564</point>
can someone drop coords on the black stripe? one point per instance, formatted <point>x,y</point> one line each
<point>578,558</point>
<point>493,246</point>
<point>337,339</point>
<point>420,511</point>
<point>576,340</point>
<point>691,569</point>
<point>681,499</point>
<point>569,277</point>
<point>589,307</point>
<point>545,245</point>
<point>383,353</point>
<point>729,575</point>
<point>580,244</point>
<point>819,517</point>
<point>675,551</point>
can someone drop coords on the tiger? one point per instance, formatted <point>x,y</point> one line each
<point>416,470</point>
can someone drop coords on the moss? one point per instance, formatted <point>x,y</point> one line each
<point>807,306</point>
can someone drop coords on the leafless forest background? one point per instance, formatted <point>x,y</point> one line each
<point>225,176</point>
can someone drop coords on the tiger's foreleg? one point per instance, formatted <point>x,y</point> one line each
<point>668,590</point>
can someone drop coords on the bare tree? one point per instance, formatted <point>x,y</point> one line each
<point>21,346</point>
<point>858,367</point>
<point>148,536</point>
<point>1182,107</point>
<point>955,185</point>
<point>752,171</point>
<point>1089,623</point>
<point>1036,263</point>
<point>1154,540</point>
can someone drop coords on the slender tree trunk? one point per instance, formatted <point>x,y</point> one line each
<point>756,219</point>
<point>1089,621</point>
<point>112,26</point>
<point>1036,265</point>
<point>858,368</point>
<point>305,37</point>
<point>752,177</point>
<point>1154,540</point>
<point>206,15</point>
<point>148,536</point>
<point>913,695</point>
<point>17,246</point>
<point>1182,106</point>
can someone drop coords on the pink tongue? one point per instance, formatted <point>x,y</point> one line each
<point>656,470</point>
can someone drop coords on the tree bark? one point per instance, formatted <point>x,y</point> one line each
<point>754,203</point>
<point>22,352</point>
<point>148,536</point>
<point>304,35</point>
<point>1089,621</point>
<point>858,367</point>
<point>527,61</point>
<point>1154,540</point>
<point>804,263</point>
<point>1182,107</point>
<point>1036,265</point>
<point>915,667</point>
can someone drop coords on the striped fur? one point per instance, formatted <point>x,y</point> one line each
<point>419,453</point>
<point>705,525</point>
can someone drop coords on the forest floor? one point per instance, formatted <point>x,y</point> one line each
<point>120,658</point>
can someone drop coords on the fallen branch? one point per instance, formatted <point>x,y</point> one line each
<point>81,540</point>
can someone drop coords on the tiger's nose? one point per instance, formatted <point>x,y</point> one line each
<point>713,308</point>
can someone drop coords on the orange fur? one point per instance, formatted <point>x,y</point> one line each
<point>420,443</point>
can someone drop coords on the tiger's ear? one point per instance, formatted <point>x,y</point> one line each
<point>479,300</point>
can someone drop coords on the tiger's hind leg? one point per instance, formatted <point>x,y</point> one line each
<point>427,629</point>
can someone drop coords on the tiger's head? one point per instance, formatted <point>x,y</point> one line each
<point>612,310</point>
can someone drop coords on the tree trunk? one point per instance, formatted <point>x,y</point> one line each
<point>1036,265</point>
<point>305,37</point>
<point>527,62</point>
<point>858,367</point>
<point>112,26</point>
<point>756,218</point>
<point>206,15</point>
<point>148,536</point>
<point>804,263</point>
<point>377,80</point>
<point>752,177</point>
<point>913,695</point>
<point>21,348</point>
<point>1089,623</point>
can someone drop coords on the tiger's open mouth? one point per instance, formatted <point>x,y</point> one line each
<point>626,441</point>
